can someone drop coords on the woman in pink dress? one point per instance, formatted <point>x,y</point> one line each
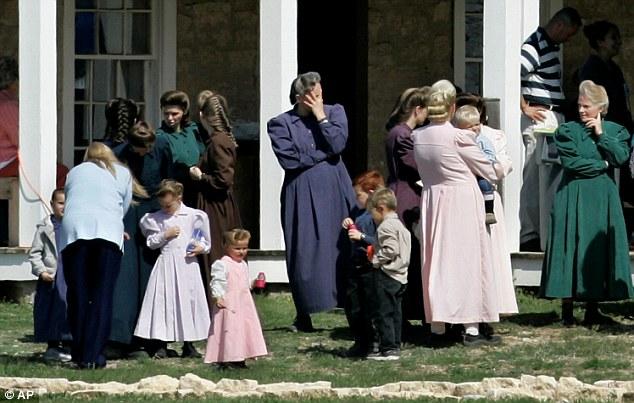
<point>459,281</point>
<point>235,334</point>
<point>497,231</point>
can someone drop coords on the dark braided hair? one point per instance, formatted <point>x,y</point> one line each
<point>214,111</point>
<point>121,114</point>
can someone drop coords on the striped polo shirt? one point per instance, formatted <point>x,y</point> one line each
<point>541,70</point>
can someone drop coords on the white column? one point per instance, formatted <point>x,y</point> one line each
<point>506,25</point>
<point>278,67</point>
<point>38,110</point>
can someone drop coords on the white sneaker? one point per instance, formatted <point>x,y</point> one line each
<point>55,354</point>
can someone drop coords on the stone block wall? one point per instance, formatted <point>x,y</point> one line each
<point>577,50</point>
<point>9,27</point>
<point>218,49</point>
<point>410,44</point>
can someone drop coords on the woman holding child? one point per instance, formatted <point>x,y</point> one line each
<point>458,288</point>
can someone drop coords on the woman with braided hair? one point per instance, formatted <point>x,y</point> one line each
<point>121,114</point>
<point>214,178</point>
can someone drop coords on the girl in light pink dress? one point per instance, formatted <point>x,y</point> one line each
<point>235,333</point>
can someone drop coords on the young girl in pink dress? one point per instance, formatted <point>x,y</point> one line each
<point>235,334</point>
<point>174,306</point>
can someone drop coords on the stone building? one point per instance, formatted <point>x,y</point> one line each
<point>77,54</point>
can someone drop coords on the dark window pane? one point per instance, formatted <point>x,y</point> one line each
<point>111,4</point>
<point>85,33</point>
<point>138,4</point>
<point>473,77</point>
<point>79,156</point>
<point>134,79</point>
<point>82,125</point>
<point>99,121</point>
<point>79,4</point>
<point>473,36</point>
<point>81,80</point>
<point>110,33</point>
<point>474,6</point>
<point>138,34</point>
<point>104,80</point>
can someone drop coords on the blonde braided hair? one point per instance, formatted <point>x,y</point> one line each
<point>214,111</point>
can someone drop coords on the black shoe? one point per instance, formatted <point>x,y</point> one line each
<point>594,317</point>
<point>388,355</point>
<point>436,340</point>
<point>533,245</point>
<point>189,351</point>
<point>160,353</point>
<point>302,323</point>
<point>357,350</point>
<point>567,316</point>
<point>480,340</point>
<point>237,364</point>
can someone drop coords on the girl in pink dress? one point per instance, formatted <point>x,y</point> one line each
<point>235,334</point>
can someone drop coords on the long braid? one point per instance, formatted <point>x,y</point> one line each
<point>120,116</point>
<point>215,111</point>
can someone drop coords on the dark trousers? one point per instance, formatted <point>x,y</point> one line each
<point>91,268</point>
<point>359,290</point>
<point>387,314</point>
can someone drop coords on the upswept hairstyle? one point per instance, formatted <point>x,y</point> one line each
<point>201,97</point>
<point>215,112</point>
<point>234,236</point>
<point>121,114</point>
<point>179,99</point>
<point>597,31</point>
<point>439,106</point>
<point>8,71</point>
<point>141,135</point>
<point>405,104</point>
<point>170,186</point>
<point>596,94</point>
<point>303,83</point>
<point>101,155</point>
<point>382,197</point>
<point>446,87</point>
<point>369,181</point>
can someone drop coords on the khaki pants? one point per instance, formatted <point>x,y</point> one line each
<point>539,179</point>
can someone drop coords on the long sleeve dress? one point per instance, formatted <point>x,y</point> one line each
<point>499,247</point>
<point>402,178</point>
<point>587,256</point>
<point>459,279</point>
<point>316,196</point>
<point>137,260</point>
<point>216,198</point>
<point>174,307</point>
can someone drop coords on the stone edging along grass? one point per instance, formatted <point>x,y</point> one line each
<point>527,386</point>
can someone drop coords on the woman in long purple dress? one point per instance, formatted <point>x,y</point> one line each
<point>316,195</point>
<point>409,112</point>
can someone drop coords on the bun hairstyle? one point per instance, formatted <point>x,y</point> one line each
<point>597,31</point>
<point>405,104</point>
<point>439,106</point>
<point>179,99</point>
<point>121,114</point>
<point>597,94</point>
<point>214,112</point>
<point>446,87</point>
<point>141,135</point>
<point>303,83</point>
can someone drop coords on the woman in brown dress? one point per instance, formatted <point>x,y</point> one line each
<point>214,178</point>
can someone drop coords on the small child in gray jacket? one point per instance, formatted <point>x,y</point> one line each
<point>49,307</point>
<point>391,258</point>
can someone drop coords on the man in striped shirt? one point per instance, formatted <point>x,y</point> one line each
<point>542,101</point>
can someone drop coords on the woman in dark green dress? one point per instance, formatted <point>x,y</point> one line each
<point>587,255</point>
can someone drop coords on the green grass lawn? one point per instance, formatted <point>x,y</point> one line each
<point>533,343</point>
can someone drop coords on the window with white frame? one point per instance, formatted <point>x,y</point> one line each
<point>468,44</point>
<point>113,57</point>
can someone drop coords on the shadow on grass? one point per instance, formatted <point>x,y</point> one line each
<point>534,319</point>
<point>27,338</point>
<point>624,309</point>
<point>27,358</point>
<point>320,349</point>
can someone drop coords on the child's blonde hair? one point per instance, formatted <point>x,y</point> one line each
<point>235,235</point>
<point>382,197</point>
<point>169,186</point>
<point>466,116</point>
